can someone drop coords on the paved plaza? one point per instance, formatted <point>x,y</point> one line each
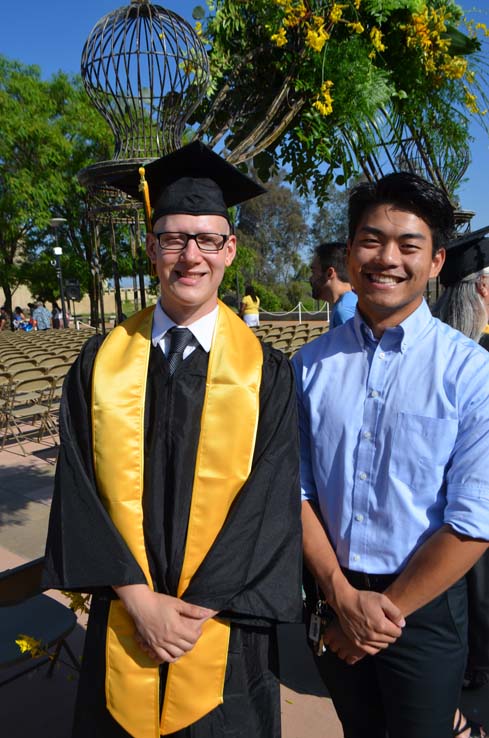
<point>35,705</point>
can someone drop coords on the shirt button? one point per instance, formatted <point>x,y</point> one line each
<point>374,393</point>
<point>356,557</point>
<point>382,355</point>
<point>367,435</point>
<point>363,475</point>
<point>359,517</point>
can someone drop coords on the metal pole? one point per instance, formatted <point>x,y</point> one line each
<point>55,223</point>
<point>140,260</point>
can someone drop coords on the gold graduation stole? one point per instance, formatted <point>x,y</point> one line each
<point>229,422</point>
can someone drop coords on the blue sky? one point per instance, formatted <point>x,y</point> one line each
<point>51,34</point>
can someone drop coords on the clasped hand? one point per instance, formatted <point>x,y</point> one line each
<point>167,627</point>
<point>367,623</point>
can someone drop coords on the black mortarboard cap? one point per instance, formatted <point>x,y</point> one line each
<point>192,180</point>
<point>465,255</point>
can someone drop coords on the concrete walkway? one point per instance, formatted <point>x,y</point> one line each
<point>34,705</point>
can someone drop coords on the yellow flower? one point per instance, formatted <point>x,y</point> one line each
<point>32,645</point>
<point>316,39</point>
<point>454,68</point>
<point>356,27</point>
<point>78,602</point>
<point>294,14</point>
<point>376,39</point>
<point>324,101</point>
<point>471,102</point>
<point>280,38</point>
<point>482,27</point>
<point>356,3</point>
<point>336,13</point>
<point>198,28</point>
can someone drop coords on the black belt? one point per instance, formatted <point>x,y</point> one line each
<point>362,580</point>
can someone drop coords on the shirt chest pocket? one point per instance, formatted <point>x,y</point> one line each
<point>421,448</point>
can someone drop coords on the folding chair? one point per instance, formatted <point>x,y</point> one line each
<point>5,390</point>
<point>30,403</point>
<point>24,610</point>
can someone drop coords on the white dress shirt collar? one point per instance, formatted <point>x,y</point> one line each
<point>202,329</point>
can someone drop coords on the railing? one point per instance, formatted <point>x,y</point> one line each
<point>300,310</point>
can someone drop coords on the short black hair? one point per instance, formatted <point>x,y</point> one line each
<point>250,290</point>
<point>409,192</point>
<point>333,254</point>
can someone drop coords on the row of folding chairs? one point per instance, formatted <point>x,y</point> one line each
<point>25,411</point>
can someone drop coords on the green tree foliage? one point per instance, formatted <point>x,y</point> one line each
<point>316,84</point>
<point>50,132</point>
<point>32,149</point>
<point>330,222</point>
<point>275,227</point>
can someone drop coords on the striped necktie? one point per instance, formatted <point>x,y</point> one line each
<point>180,338</point>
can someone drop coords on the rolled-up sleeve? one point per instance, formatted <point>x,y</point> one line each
<point>467,509</point>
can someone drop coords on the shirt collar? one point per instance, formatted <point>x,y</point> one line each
<point>202,329</point>
<point>400,337</point>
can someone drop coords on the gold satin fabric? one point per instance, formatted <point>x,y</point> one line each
<point>229,421</point>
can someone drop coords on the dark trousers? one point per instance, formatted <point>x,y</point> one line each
<point>412,688</point>
<point>477,580</point>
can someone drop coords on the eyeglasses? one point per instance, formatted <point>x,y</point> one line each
<point>208,242</point>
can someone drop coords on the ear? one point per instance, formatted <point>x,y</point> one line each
<point>330,273</point>
<point>230,247</point>
<point>151,246</point>
<point>482,289</point>
<point>437,262</point>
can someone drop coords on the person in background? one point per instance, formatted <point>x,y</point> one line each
<point>19,318</point>
<point>394,424</point>
<point>464,305</point>
<point>4,320</point>
<point>42,317</point>
<point>56,315</point>
<point>177,499</point>
<point>250,307</point>
<point>329,281</point>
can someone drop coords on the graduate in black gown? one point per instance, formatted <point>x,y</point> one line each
<point>464,305</point>
<point>186,595</point>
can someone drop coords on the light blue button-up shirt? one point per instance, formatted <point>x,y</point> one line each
<point>394,437</point>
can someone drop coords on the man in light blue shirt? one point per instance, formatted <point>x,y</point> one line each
<point>394,420</point>
<point>42,316</point>
<point>329,281</point>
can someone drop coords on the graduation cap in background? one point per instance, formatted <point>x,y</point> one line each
<point>192,180</point>
<point>465,255</point>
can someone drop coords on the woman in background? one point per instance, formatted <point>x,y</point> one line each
<point>464,305</point>
<point>250,307</point>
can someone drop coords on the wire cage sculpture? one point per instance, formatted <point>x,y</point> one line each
<point>145,70</point>
<point>398,147</point>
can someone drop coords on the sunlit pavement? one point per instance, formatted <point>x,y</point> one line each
<point>36,705</point>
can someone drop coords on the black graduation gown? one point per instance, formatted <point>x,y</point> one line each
<point>251,574</point>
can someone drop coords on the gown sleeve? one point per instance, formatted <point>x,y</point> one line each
<point>254,568</point>
<point>84,550</point>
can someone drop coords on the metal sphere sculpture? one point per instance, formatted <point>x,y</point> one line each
<point>145,70</point>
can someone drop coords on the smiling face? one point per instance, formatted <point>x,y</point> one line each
<point>189,279</point>
<point>390,260</point>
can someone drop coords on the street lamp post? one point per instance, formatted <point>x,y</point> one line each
<point>55,223</point>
